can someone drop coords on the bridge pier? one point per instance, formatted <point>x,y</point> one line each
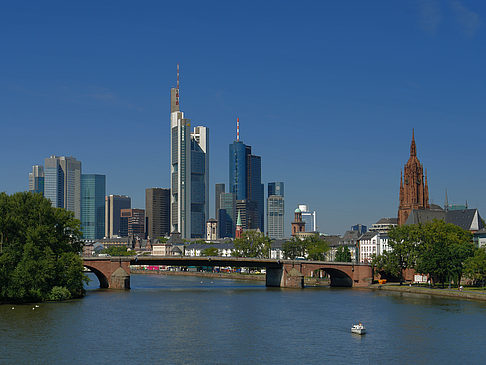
<point>113,273</point>
<point>288,276</point>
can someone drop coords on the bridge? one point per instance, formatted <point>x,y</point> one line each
<point>114,272</point>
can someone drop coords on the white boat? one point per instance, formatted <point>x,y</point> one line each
<point>359,329</point>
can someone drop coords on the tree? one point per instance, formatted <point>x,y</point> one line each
<point>118,251</point>
<point>343,254</point>
<point>210,251</point>
<point>475,266</point>
<point>311,247</point>
<point>252,244</point>
<point>443,250</point>
<point>387,264</point>
<point>403,241</point>
<point>39,249</point>
<point>294,248</point>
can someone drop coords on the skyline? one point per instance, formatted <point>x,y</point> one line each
<point>326,94</point>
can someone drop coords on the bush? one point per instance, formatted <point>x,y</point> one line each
<point>59,293</point>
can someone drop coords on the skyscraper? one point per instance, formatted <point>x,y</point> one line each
<point>93,191</point>
<point>227,215</point>
<point>36,179</point>
<point>218,190</point>
<point>157,209</point>
<point>309,217</point>
<point>189,169</point>
<point>275,210</point>
<point>246,183</point>
<point>113,206</point>
<point>132,223</point>
<point>62,183</point>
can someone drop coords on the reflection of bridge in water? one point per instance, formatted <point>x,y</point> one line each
<point>114,272</point>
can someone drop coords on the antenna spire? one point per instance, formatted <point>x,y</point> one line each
<point>177,76</point>
<point>237,129</point>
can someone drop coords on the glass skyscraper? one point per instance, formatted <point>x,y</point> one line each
<point>36,179</point>
<point>93,191</point>
<point>275,210</point>
<point>227,215</point>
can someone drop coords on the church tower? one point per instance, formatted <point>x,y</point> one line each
<point>414,190</point>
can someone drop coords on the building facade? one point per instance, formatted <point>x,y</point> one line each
<point>93,191</point>
<point>275,210</point>
<point>414,190</point>
<point>113,206</point>
<point>157,209</point>
<point>298,225</point>
<point>189,170</point>
<point>132,223</point>
<point>227,215</point>
<point>62,183</point>
<point>36,179</point>
<point>309,217</point>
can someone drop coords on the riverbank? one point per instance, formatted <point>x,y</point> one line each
<point>449,293</point>
<point>227,275</point>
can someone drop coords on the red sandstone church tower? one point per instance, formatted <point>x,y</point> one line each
<point>414,191</point>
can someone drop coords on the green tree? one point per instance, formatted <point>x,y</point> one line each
<point>403,241</point>
<point>118,251</point>
<point>252,244</point>
<point>475,266</point>
<point>210,251</point>
<point>343,254</point>
<point>293,248</point>
<point>316,248</point>
<point>387,264</point>
<point>39,249</point>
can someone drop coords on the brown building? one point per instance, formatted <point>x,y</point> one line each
<point>157,205</point>
<point>132,222</point>
<point>414,191</point>
<point>298,225</point>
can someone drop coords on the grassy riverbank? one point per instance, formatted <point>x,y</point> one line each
<point>450,293</point>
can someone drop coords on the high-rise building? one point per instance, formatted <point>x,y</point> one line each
<point>62,183</point>
<point>36,179</point>
<point>275,210</point>
<point>132,223</point>
<point>218,190</point>
<point>227,215</point>
<point>414,190</point>
<point>113,206</point>
<point>309,217</point>
<point>93,191</point>
<point>157,208</point>
<point>245,181</point>
<point>189,172</point>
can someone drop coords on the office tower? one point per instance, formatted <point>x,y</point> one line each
<point>132,223</point>
<point>113,206</point>
<point>249,214</point>
<point>62,183</point>
<point>309,218</point>
<point>93,191</point>
<point>227,215</point>
<point>218,190</point>
<point>245,182</point>
<point>275,210</point>
<point>360,228</point>
<point>157,209</point>
<point>189,172</point>
<point>36,179</point>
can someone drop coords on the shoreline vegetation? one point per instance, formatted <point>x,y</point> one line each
<point>466,293</point>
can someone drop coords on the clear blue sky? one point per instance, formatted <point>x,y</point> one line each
<point>327,93</point>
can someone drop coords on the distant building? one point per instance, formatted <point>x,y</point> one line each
<point>467,219</point>
<point>189,169</point>
<point>211,230</point>
<point>309,217</point>
<point>157,211</point>
<point>93,191</point>
<point>414,190</point>
<point>248,211</point>
<point>36,179</point>
<point>384,225</point>
<point>218,190</point>
<point>113,206</point>
<point>372,243</point>
<point>360,228</point>
<point>227,215</point>
<point>298,225</point>
<point>62,183</point>
<point>275,210</point>
<point>246,183</point>
<point>132,223</point>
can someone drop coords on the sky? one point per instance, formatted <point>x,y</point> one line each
<point>327,94</point>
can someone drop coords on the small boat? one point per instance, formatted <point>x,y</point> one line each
<point>359,329</point>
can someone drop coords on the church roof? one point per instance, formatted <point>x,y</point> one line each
<point>461,218</point>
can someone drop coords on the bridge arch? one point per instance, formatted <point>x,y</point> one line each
<point>104,283</point>
<point>338,277</point>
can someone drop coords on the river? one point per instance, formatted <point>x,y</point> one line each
<point>190,320</point>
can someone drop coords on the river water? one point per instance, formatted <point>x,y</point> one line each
<point>192,320</point>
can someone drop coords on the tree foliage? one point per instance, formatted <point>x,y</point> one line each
<point>39,249</point>
<point>252,244</point>
<point>312,247</point>
<point>210,251</point>
<point>118,251</point>
<point>475,266</point>
<point>435,248</point>
<point>343,254</point>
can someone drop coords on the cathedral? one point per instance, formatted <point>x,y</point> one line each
<point>414,191</point>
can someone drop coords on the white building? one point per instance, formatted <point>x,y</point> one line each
<point>309,218</point>
<point>372,243</point>
<point>384,225</point>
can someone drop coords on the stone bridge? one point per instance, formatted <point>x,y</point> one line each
<point>114,272</point>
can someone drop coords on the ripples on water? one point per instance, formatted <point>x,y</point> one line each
<point>191,320</point>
